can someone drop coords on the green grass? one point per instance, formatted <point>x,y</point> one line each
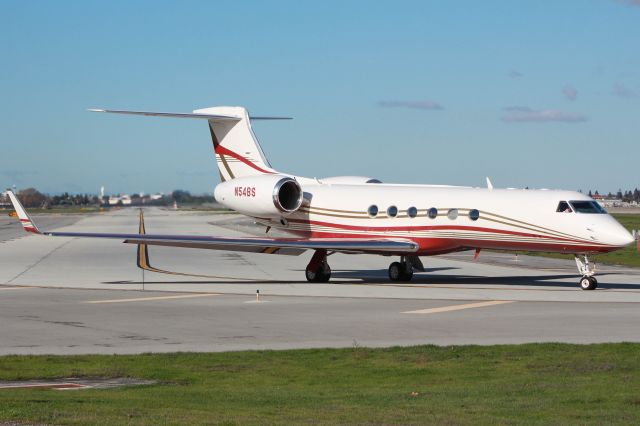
<point>627,256</point>
<point>522,384</point>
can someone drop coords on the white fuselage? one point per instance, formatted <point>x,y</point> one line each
<point>510,219</point>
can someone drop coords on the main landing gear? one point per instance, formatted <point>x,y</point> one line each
<point>587,270</point>
<point>318,270</point>
<point>403,270</point>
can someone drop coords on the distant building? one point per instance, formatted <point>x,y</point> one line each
<point>124,200</point>
<point>4,200</point>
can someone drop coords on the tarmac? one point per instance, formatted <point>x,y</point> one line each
<point>77,296</point>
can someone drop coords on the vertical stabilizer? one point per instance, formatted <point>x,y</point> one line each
<point>237,150</point>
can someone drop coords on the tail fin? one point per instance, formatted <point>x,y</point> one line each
<point>238,152</point>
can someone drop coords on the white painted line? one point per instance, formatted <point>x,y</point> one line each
<point>59,386</point>
<point>459,307</point>
<point>14,288</point>
<point>143,299</point>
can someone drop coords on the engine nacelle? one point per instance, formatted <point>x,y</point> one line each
<point>349,180</point>
<point>261,195</point>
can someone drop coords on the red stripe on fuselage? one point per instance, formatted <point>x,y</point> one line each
<point>224,151</point>
<point>382,230</point>
<point>440,245</point>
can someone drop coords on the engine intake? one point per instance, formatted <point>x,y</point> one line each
<point>287,195</point>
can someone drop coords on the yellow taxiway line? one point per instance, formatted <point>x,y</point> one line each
<point>459,307</point>
<point>144,299</point>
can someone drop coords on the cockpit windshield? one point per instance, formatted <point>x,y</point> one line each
<point>591,207</point>
<point>563,207</point>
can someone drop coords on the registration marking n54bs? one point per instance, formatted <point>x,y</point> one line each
<point>245,191</point>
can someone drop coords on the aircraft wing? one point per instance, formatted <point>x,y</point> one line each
<point>292,246</point>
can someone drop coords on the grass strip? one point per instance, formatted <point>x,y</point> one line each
<point>507,384</point>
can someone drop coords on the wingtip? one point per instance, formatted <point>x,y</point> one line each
<point>25,220</point>
<point>96,110</point>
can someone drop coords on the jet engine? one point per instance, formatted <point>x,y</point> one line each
<point>261,195</point>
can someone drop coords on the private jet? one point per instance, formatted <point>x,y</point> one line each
<point>359,214</point>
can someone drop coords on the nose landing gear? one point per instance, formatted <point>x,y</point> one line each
<point>587,270</point>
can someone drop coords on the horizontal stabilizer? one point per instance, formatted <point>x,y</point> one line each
<point>194,114</point>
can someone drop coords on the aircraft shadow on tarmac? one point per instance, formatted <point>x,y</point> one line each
<point>378,277</point>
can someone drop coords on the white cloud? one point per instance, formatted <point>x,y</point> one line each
<point>570,92</point>
<point>426,105</point>
<point>622,91</point>
<point>519,114</point>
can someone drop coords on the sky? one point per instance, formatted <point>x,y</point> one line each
<point>544,94</point>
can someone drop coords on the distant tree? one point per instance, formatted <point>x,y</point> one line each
<point>590,194</point>
<point>181,196</point>
<point>31,197</point>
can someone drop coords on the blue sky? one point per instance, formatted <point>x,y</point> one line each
<point>531,93</point>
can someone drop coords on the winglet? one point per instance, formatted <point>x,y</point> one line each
<point>26,221</point>
<point>489,184</point>
<point>143,250</point>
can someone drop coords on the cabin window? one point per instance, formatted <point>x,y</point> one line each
<point>373,210</point>
<point>433,213</point>
<point>392,211</point>
<point>474,214</point>
<point>587,207</point>
<point>563,207</point>
<point>412,212</point>
<point>452,214</point>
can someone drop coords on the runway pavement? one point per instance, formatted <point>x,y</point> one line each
<point>62,295</point>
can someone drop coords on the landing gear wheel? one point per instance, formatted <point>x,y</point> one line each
<point>325,273</point>
<point>588,283</point>
<point>322,275</point>
<point>406,276</point>
<point>399,272</point>
<point>395,271</point>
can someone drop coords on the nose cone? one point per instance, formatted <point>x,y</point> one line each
<point>616,235</point>
<point>622,238</point>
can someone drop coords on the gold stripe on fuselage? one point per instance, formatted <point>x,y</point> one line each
<point>319,211</point>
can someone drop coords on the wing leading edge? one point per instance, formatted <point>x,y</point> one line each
<point>292,246</point>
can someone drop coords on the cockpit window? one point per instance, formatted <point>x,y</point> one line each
<point>563,207</point>
<point>587,207</point>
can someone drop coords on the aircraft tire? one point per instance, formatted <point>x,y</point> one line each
<point>588,283</point>
<point>406,276</point>
<point>321,276</point>
<point>395,271</point>
<point>311,276</point>
<point>325,273</point>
